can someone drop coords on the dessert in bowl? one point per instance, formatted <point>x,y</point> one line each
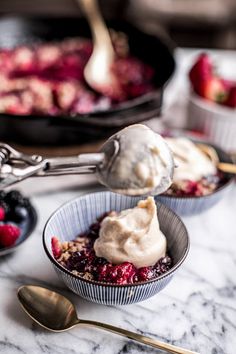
<point>212,104</point>
<point>197,183</point>
<point>117,269</point>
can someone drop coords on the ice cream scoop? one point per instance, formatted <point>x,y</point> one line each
<point>142,163</point>
<point>134,161</point>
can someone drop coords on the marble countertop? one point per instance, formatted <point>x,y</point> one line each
<point>197,310</point>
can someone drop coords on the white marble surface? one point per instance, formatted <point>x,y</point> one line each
<point>197,310</point>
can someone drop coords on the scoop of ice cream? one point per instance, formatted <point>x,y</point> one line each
<point>133,235</point>
<point>192,163</point>
<point>142,165</point>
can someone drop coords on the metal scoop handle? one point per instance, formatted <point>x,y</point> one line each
<point>16,166</point>
<point>78,164</point>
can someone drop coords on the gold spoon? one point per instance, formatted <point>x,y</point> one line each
<point>213,156</point>
<point>97,71</point>
<point>56,313</point>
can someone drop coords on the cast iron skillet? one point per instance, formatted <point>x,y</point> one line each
<point>78,129</point>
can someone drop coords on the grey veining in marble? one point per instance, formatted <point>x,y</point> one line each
<point>197,310</point>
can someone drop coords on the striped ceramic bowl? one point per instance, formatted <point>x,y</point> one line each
<point>188,205</point>
<point>76,216</point>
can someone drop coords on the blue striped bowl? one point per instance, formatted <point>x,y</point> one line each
<point>187,205</point>
<point>76,216</point>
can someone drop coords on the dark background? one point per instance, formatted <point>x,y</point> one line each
<point>190,23</point>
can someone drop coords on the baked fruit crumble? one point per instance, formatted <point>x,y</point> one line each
<point>48,79</point>
<point>195,174</point>
<point>78,256</point>
<point>204,186</point>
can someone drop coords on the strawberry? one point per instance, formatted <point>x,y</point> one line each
<point>212,89</point>
<point>2,213</point>
<point>231,99</point>
<point>201,70</point>
<point>228,84</point>
<point>8,234</point>
<point>56,247</point>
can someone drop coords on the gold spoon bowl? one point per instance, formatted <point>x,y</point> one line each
<point>56,313</point>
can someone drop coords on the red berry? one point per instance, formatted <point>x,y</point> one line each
<point>2,213</point>
<point>191,188</point>
<point>231,99</point>
<point>8,234</point>
<point>201,70</point>
<point>228,84</point>
<point>212,89</point>
<point>145,273</point>
<point>56,247</point>
<point>123,273</point>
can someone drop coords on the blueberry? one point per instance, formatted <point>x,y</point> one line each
<point>19,213</point>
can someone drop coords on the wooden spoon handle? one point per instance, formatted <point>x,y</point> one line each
<point>138,337</point>
<point>97,25</point>
<point>226,167</point>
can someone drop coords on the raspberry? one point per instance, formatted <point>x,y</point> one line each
<point>145,273</point>
<point>2,213</point>
<point>103,271</point>
<point>120,274</point>
<point>191,188</point>
<point>8,234</point>
<point>56,247</point>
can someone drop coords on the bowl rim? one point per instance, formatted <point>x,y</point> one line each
<point>229,182</point>
<point>100,283</point>
<point>212,107</point>
<point>34,220</point>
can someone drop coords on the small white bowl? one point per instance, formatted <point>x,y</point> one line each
<point>216,122</point>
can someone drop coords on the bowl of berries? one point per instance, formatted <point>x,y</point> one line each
<point>114,249</point>
<point>212,104</point>
<point>18,219</point>
<point>197,182</point>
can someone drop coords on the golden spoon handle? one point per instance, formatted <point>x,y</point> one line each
<point>138,337</point>
<point>212,154</point>
<point>226,167</point>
